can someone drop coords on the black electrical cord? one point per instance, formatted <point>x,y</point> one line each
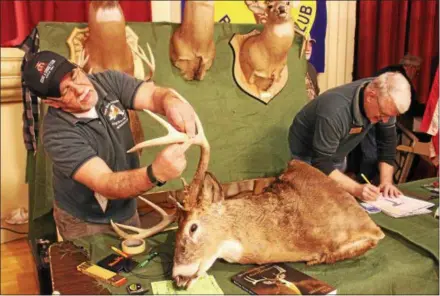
<point>12,230</point>
<point>163,258</point>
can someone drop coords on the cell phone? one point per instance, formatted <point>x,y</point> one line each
<point>136,289</point>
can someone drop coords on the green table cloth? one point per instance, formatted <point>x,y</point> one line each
<point>404,262</point>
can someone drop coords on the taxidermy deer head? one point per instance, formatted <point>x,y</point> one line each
<point>263,56</point>
<point>303,216</point>
<point>192,47</point>
<point>106,48</point>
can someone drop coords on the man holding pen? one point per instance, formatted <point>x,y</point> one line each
<point>333,124</point>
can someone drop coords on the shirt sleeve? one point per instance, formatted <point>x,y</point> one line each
<point>325,143</point>
<point>122,85</point>
<point>66,147</point>
<point>386,138</point>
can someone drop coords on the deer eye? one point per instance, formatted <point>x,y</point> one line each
<point>270,6</point>
<point>193,228</point>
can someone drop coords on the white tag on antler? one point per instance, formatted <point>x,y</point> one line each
<point>102,200</point>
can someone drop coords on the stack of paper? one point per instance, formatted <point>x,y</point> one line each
<point>402,206</point>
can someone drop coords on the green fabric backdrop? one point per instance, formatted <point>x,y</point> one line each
<point>248,138</point>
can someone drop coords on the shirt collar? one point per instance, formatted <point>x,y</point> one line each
<point>358,118</point>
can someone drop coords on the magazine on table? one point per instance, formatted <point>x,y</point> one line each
<point>280,279</point>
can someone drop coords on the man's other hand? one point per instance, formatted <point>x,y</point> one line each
<point>181,115</point>
<point>389,190</point>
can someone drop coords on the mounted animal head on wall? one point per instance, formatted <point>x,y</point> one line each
<point>260,65</point>
<point>192,47</point>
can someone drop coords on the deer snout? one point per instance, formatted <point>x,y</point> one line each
<point>282,9</point>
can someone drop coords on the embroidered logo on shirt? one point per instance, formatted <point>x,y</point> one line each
<point>116,115</point>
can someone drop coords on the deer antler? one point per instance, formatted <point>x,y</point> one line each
<point>143,233</point>
<point>151,63</point>
<point>173,136</point>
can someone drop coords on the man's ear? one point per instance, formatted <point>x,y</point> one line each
<point>369,94</point>
<point>52,103</point>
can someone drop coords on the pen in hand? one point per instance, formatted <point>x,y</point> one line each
<point>365,178</point>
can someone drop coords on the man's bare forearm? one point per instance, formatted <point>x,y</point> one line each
<point>386,173</point>
<point>346,182</point>
<point>126,184</point>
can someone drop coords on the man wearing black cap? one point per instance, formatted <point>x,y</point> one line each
<point>86,134</point>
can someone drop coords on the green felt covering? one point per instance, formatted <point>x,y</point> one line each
<point>248,138</point>
<point>404,262</point>
<point>393,267</point>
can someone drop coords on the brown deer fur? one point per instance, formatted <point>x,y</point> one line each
<point>192,47</point>
<point>264,56</point>
<point>302,216</point>
<point>107,48</point>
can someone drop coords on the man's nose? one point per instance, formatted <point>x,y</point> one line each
<point>78,89</point>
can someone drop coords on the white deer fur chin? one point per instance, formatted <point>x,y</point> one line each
<point>284,29</point>
<point>230,250</point>
<point>185,269</point>
<point>108,15</point>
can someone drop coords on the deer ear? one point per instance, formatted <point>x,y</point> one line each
<point>256,7</point>
<point>211,191</point>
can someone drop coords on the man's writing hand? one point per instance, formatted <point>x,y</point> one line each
<point>170,162</point>
<point>389,190</point>
<point>181,115</point>
<point>368,192</point>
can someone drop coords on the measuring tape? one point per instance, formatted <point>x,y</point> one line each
<point>133,246</point>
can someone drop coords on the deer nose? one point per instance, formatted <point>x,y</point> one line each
<point>282,9</point>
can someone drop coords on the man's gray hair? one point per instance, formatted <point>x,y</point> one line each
<point>395,86</point>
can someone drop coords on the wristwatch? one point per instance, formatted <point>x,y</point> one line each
<point>153,178</point>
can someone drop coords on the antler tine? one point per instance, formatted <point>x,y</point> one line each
<point>200,138</point>
<point>144,233</point>
<point>151,63</point>
<point>173,136</point>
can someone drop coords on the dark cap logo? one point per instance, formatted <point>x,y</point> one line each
<point>41,66</point>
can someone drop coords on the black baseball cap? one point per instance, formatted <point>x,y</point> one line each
<point>44,72</point>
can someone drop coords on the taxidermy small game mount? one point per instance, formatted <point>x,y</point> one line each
<point>260,58</point>
<point>108,44</point>
<point>192,47</point>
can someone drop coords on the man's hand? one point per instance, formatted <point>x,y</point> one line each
<point>170,162</point>
<point>180,114</point>
<point>389,190</point>
<point>368,192</point>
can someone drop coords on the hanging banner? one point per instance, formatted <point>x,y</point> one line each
<point>310,17</point>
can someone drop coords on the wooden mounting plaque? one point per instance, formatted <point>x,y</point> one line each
<point>251,89</point>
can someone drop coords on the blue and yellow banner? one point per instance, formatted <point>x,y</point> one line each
<point>310,16</point>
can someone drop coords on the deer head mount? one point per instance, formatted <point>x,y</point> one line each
<point>192,47</point>
<point>260,65</point>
